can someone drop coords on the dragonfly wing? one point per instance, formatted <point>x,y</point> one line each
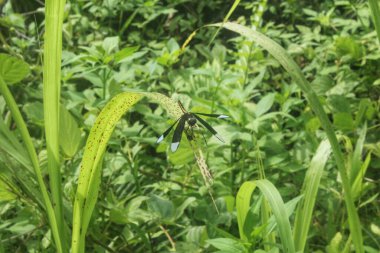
<point>218,116</point>
<point>178,133</point>
<point>167,131</point>
<point>208,127</point>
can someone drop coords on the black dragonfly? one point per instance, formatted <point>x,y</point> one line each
<point>191,118</point>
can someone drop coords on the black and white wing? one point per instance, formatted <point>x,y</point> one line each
<point>218,116</point>
<point>178,134</point>
<point>167,131</point>
<point>208,127</point>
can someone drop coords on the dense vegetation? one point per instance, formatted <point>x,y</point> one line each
<point>153,200</point>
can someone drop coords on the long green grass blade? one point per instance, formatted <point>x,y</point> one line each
<point>295,72</point>
<point>357,155</point>
<point>310,190</point>
<point>89,177</point>
<point>54,10</point>
<point>277,205</point>
<point>375,12</point>
<point>243,203</point>
<point>358,167</point>
<point>278,208</point>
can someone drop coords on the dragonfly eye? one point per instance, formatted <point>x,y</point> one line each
<point>192,121</point>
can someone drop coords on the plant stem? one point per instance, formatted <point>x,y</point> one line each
<point>51,94</point>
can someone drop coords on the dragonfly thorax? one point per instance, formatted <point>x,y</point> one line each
<point>191,120</point>
<point>186,123</point>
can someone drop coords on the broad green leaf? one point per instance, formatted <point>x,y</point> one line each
<point>310,12</point>
<point>322,84</point>
<point>227,245</point>
<point>313,124</point>
<point>35,112</point>
<point>343,121</point>
<point>130,214</point>
<point>12,69</point>
<point>347,46</point>
<point>69,133</point>
<point>264,105</point>
<point>197,235</point>
<point>179,210</point>
<point>21,227</point>
<point>110,44</point>
<point>339,103</point>
<point>124,53</point>
<point>163,207</point>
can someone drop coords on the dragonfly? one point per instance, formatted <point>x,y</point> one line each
<point>189,119</point>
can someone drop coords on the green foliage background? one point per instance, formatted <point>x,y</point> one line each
<point>152,200</point>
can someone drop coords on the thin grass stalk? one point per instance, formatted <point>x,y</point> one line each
<point>21,126</point>
<point>232,9</point>
<point>375,12</point>
<point>292,68</point>
<point>54,10</point>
